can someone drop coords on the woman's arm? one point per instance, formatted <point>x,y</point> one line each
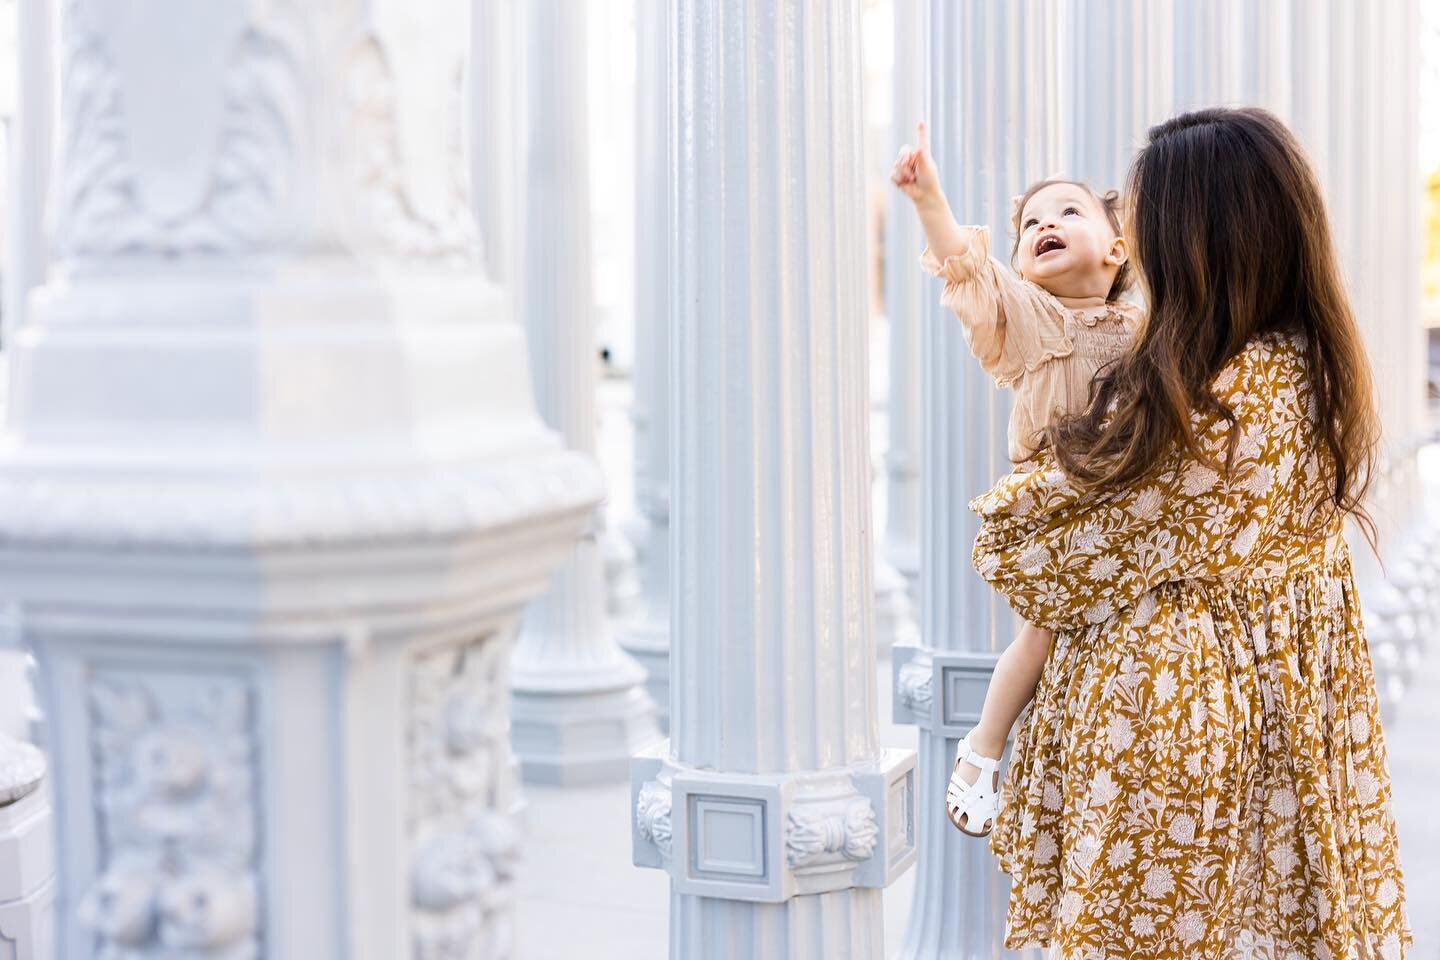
<point>1064,559</point>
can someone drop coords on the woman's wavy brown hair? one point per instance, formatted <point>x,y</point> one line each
<point>1229,232</point>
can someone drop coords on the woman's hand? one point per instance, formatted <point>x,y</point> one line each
<point>915,172</point>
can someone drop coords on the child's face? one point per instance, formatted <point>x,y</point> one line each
<point>1067,244</point>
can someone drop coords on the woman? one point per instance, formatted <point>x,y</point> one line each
<point>1202,773</point>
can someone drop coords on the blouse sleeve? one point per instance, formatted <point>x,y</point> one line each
<point>1064,559</point>
<point>1011,326</point>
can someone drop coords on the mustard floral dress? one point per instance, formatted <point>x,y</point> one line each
<point>1202,772</point>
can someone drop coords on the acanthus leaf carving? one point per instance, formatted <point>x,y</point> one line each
<point>274,180</point>
<point>464,845</point>
<point>652,816</point>
<point>915,684</point>
<point>391,222</point>
<point>178,817</point>
<point>248,207</point>
<point>831,832</point>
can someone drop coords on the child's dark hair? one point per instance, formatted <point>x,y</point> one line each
<point>1109,201</point>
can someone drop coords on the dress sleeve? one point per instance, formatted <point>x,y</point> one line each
<point>1066,559</point>
<point>1011,326</point>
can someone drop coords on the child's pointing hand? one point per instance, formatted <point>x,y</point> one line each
<point>915,172</point>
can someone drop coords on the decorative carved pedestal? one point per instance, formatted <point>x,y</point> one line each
<point>273,491</point>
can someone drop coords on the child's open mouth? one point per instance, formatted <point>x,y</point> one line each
<point>1048,244</point>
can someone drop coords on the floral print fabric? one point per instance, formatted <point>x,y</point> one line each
<point>1202,772</point>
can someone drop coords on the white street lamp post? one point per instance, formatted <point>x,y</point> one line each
<point>272,488</point>
<point>774,808</point>
<point>580,709</point>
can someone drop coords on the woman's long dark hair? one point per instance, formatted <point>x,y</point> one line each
<point>1229,231</point>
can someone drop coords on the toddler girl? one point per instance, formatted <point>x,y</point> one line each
<point>1045,333</point>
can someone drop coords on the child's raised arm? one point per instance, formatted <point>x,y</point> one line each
<point>917,178</point>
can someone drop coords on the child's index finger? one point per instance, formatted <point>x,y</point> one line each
<point>923,133</point>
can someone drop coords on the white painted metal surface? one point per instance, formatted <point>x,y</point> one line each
<point>29,141</point>
<point>273,491</point>
<point>647,635</point>
<point>1120,80</point>
<point>905,292</point>
<point>775,810</point>
<point>580,709</point>
<point>1353,89</point>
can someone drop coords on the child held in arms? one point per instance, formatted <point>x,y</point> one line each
<point>1045,331</point>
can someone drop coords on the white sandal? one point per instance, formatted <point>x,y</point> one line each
<point>976,802</point>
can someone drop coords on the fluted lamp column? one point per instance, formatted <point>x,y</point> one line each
<point>775,810</point>
<point>647,635</point>
<point>904,291</point>
<point>580,710</point>
<point>1121,81</point>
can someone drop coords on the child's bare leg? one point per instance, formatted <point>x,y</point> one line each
<point>1017,674</point>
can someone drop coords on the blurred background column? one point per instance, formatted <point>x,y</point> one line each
<point>774,808</point>
<point>29,141</point>
<point>580,709</point>
<point>646,636</point>
<point>27,107</point>
<point>1398,232</point>
<point>27,100</point>
<point>1350,193</point>
<point>897,568</point>
<point>996,126</point>
<point>610,45</point>
<point>1353,88</point>
<point>272,487</point>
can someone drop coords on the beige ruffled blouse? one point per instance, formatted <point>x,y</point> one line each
<point>1047,348</point>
